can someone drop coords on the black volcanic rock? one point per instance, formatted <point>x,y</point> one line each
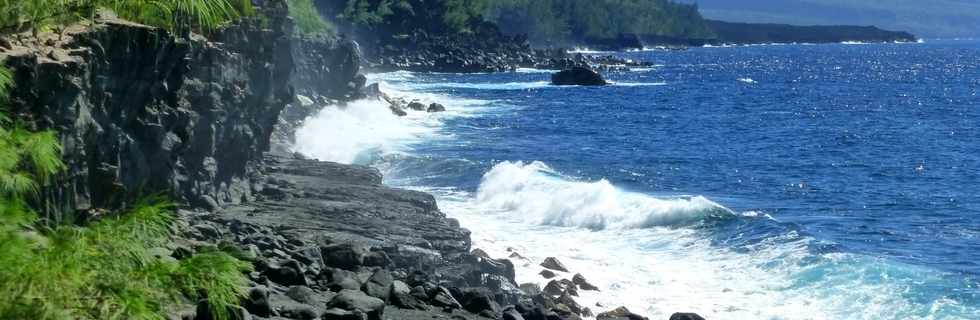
<point>553,264</point>
<point>580,76</point>
<point>686,316</point>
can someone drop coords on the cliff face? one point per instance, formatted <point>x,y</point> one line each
<point>141,112</point>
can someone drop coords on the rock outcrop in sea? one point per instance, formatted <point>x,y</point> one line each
<point>580,76</point>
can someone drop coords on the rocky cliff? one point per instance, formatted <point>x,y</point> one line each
<point>140,111</point>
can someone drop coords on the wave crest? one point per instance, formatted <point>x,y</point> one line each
<point>536,192</point>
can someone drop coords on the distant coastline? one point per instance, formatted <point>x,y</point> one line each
<point>738,33</point>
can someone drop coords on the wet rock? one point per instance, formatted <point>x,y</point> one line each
<point>554,288</point>
<point>377,259</point>
<point>417,106</point>
<point>553,264</point>
<point>530,289</point>
<point>547,274</point>
<point>436,107</point>
<point>478,300</point>
<point>620,313</point>
<point>352,300</point>
<point>581,76</point>
<point>685,316</point>
<point>583,284</point>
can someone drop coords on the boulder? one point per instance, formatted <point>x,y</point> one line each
<point>479,300</point>
<point>620,313</point>
<point>685,316</point>
<point>401,296</point>
<point>353,300</point>
<point>379,285</point>
<point>257,302</point>
<point>553,264</point>
<point>578,76</point>
<point>417,106</point>
<point>346,256</point>
<point>436,107</point>
<point>583,284</point>
<point>341,314</point>
<point>440,297</point>
<point>547,274</point>
<point>287,273</point>
<point>338,279</point>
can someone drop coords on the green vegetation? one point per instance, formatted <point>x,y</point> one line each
<point>112,268</point>
<point>307,18</point>
<point>399,16</point>
<point>563,20</point>
<point>199,15</point>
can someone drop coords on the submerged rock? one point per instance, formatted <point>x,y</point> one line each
<point>620,313</point>
<point>581,76</point>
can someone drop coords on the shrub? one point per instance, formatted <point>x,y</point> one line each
<point>308,19</point>
<point>109,269</point>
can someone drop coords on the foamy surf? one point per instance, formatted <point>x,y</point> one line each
<point>538,194</point>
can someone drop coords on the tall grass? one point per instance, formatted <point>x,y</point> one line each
<point>107,269</point>
<point>198,15</point>
<point>307,18</point>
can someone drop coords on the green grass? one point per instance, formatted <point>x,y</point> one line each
<point>103,270</point>
<point>198,15</point>
<point>308,20</point>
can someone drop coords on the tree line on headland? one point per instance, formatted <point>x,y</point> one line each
<point>545,22</point>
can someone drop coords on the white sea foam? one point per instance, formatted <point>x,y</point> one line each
<point>747,80</point>
<point>656,271</point>
<point>534,191</point>
<point>360,131</point>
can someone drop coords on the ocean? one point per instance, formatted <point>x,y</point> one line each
<point>836,181</point>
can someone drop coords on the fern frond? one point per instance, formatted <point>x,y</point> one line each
<point>43,150</point>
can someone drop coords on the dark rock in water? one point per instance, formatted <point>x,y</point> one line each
<point>356,300</point>
<point>620,313</point>
<point>583,284</point>
<point>569,287</point>
<point>435,107</point>
<point>554,264</point>
<point>567,300</point>
<point>547,274</point>
<point>396,110</point>
<point>554,288</point>
<point>379,285</point>
<point>478,300</point>
<point>685,316</point>
<point>417,106</point>
<point>578,76</point>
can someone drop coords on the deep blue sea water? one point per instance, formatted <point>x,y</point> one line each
<point>762,182</point>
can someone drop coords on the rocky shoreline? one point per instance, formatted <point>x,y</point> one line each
<point>206,121</point>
